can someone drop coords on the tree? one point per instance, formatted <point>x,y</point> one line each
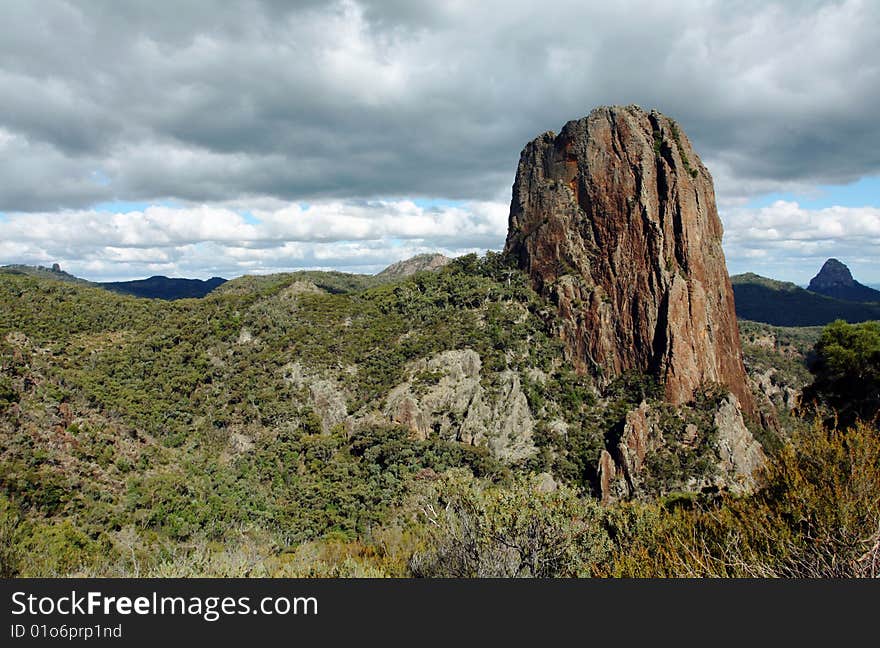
<point>847,371</point>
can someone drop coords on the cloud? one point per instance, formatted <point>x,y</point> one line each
<point>786,241</point>
<point>214,101</point>
<point>34,173</point>
<point>206,240</point>
<point>782,240</point>
<point>302,134</point>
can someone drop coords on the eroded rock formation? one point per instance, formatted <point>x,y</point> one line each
<point>614,219</point>
<point>732,453</point>
<point>418,263</point>
<point>444,396</point>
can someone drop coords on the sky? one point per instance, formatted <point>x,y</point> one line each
<point>213,138</point>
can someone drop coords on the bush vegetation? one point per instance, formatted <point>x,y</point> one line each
<point>145,438</point>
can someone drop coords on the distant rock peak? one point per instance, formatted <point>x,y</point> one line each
<point>835,280</point>
<point>418,263</point>
<point>833,273</point>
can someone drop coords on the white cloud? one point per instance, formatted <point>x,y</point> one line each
<point>788,221</point>
<point>265,105</point>
<point>782,240</point>
<point>787,241</point>
<point>355,100</point>
<point>205,240</point>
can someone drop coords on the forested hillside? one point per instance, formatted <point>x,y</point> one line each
<point>322,423</point>
<point>782,303</point>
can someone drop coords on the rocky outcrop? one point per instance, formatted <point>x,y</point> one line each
<point>779,395</point>
<point>640,436</point>
<point>326,397</point>
<point>419,263</point>
<point>741,455</point>
<point>735,456</point>
<point>611,487</point>
<point>620,474</point>
<point>614,220</point>
<point>835,280</point>
<point>300,287</point>
<point>444,396</point>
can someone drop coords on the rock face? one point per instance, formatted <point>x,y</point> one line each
<point>737,455</point>
<point>444,396</point>
<point>835,280</point>
<point>621,478</point>
<point>614,220</point>
<point>419,263</point>
<point>741,455</point>
<point>780,395</point>
<point>326,397</point>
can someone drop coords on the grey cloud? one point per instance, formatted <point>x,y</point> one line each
<point>35,175</point>
<point>213,101</point>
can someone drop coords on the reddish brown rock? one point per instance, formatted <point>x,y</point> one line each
<point>607,476</point>
<point>637,440</point>
<point>65,414</point>
<point>615,221</point>
<point>640,437</point>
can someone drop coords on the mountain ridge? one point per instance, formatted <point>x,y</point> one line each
<point>418,263</point>
<point>782,303</point>
<point>162,287</point>
<point>173,288</point>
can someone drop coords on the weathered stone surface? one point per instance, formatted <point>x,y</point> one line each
<point>607,477</point>
<point>634,441</point>
<point>778,395</point>
<point>325,396</point>
<point>614,220</point>
<point>690,436</point>
<point>443,396</point>
<point>640,436</point>
<point>622,477</point>
<point>544,483</point>
<point>740,453</point>
<point>300,287</point>
<point>240,443</point>
<point>245,337</point>
<point>418,263</point>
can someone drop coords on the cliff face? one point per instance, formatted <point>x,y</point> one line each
<point>615,221</point>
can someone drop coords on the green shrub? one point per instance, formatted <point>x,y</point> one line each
<point>517,530</point>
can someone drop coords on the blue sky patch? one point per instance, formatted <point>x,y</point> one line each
<point>863,193</point>
<point>125,206</point>
<point>436,203</point>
